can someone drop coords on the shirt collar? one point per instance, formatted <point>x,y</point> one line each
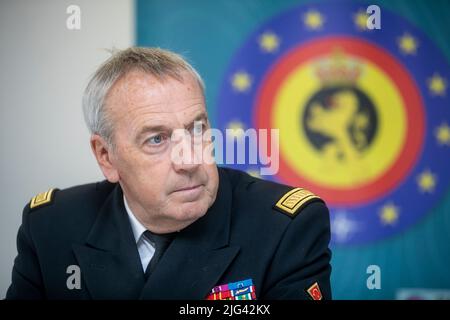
<point>136,226</point>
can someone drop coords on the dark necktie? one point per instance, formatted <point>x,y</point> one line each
<point>160,242</point>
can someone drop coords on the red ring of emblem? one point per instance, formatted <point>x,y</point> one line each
<point>415,122</point>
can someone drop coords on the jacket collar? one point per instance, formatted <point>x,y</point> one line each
<point>199,255</point>
<point>109,260</point>
<point>190,267</point>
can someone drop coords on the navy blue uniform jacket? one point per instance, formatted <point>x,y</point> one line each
<point>242,236</point>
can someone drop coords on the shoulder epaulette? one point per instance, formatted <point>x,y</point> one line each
<point>43,198</point>
<point>292,201</point>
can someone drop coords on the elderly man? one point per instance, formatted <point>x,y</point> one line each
<point>163,229</point>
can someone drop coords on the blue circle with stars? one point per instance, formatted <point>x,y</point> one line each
<point>427,181</point>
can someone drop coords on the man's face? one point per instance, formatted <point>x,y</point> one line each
<point>145,111</point>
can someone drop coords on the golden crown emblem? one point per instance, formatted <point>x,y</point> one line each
<point>338,69</point>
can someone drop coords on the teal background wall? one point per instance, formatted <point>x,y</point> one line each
<point>209,32</point>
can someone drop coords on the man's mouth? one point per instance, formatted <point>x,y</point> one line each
<point>189,188</point>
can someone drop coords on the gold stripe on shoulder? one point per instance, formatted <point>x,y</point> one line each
<point>42,198</point>
<point>294,199</point>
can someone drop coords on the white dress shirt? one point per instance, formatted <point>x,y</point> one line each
<point>145,247</point>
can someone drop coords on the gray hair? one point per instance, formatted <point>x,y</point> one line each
<point>154,61</point>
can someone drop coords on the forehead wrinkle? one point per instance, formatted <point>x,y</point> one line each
<point>129,92</point>
<point>153,107</point>
<point>149,115</point>
<point>150,118</point>
<point>138,85</point>
<point>166,100</point>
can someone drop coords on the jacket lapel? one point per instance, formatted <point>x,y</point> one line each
<point>109,261</point>
<point>198,256</point>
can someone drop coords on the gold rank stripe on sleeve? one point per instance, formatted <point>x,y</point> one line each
<point>293,200</point>
<point>42,198</point>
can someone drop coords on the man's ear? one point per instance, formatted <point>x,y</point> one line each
<point>103,154</point>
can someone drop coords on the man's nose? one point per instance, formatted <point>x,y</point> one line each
<point>188,156</point>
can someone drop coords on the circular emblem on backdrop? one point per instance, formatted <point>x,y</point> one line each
<point>362,114</point>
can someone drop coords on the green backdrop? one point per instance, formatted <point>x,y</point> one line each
<point>209,32</point>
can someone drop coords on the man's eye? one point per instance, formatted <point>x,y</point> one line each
<point>198,128</point>
<point>155,140</point>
